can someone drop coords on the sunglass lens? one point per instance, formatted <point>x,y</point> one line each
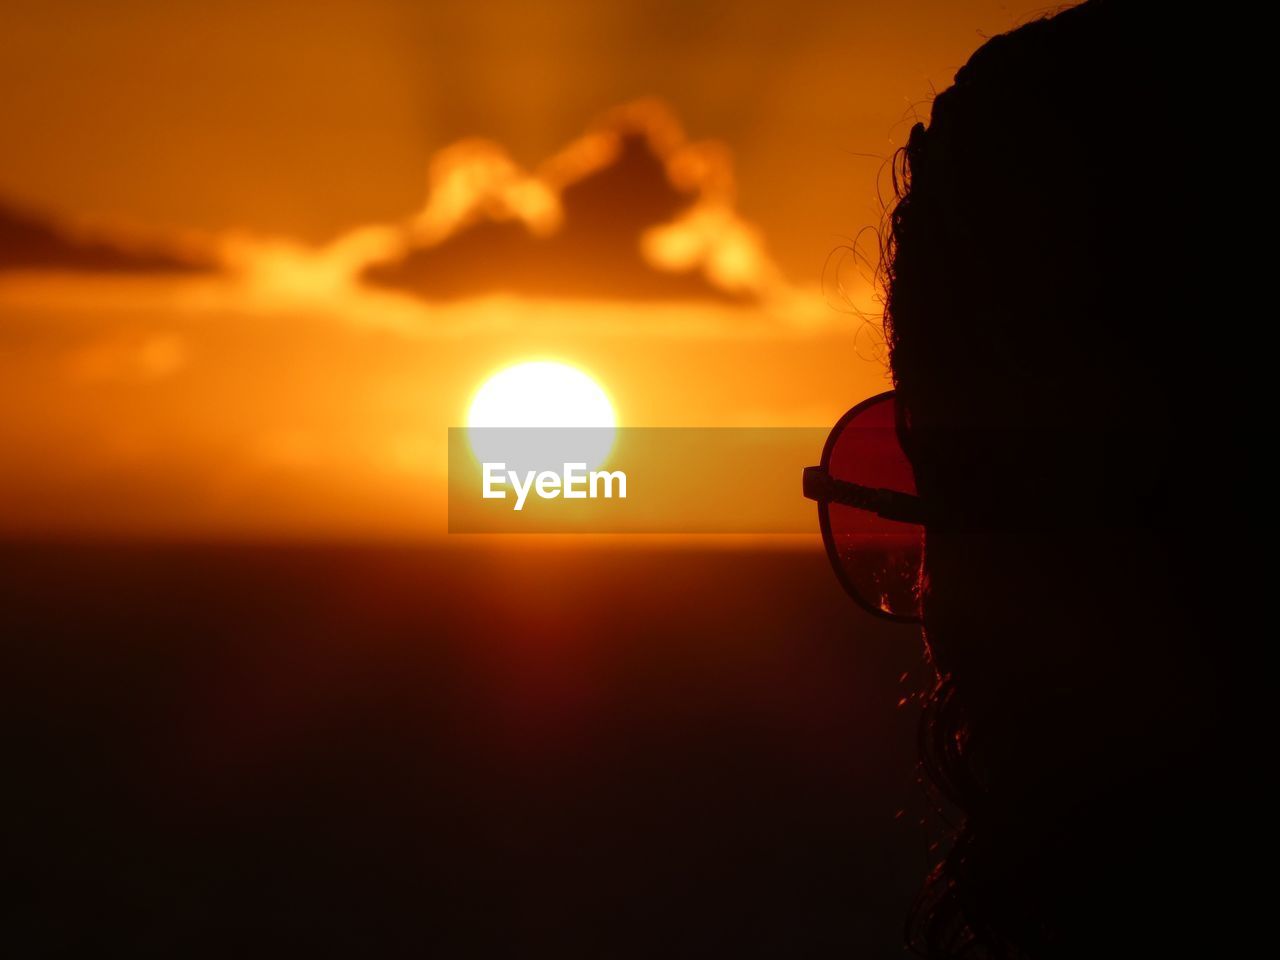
<point>878,560</point>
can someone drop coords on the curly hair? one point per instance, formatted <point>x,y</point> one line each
<point>1034,266</point>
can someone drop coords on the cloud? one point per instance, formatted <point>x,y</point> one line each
<point>631,210</point>
<point>32,242</point>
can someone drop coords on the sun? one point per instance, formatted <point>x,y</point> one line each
<point>541,393</point>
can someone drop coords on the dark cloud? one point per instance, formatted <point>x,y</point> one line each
<point>595,253</point>
<point>32,242</point>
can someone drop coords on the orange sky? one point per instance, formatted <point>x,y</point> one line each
<point>390,202</point>
<point>305,118</point>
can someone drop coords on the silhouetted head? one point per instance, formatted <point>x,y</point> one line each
<point>1068,400</point>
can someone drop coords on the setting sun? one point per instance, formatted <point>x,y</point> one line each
<point>541,394</point>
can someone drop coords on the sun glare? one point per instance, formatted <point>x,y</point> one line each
<point>542,394</point>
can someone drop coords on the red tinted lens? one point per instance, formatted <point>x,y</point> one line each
<point>878,559</point>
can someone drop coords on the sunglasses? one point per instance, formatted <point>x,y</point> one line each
<point>871,519</point>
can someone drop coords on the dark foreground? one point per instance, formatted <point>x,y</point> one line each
<point>576,752</point>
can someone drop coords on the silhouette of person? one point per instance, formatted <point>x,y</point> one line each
<point>1075,419</point>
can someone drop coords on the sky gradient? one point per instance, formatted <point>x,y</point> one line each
<point>254,264</point>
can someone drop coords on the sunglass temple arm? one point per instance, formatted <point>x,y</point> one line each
<point>889,504</point>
